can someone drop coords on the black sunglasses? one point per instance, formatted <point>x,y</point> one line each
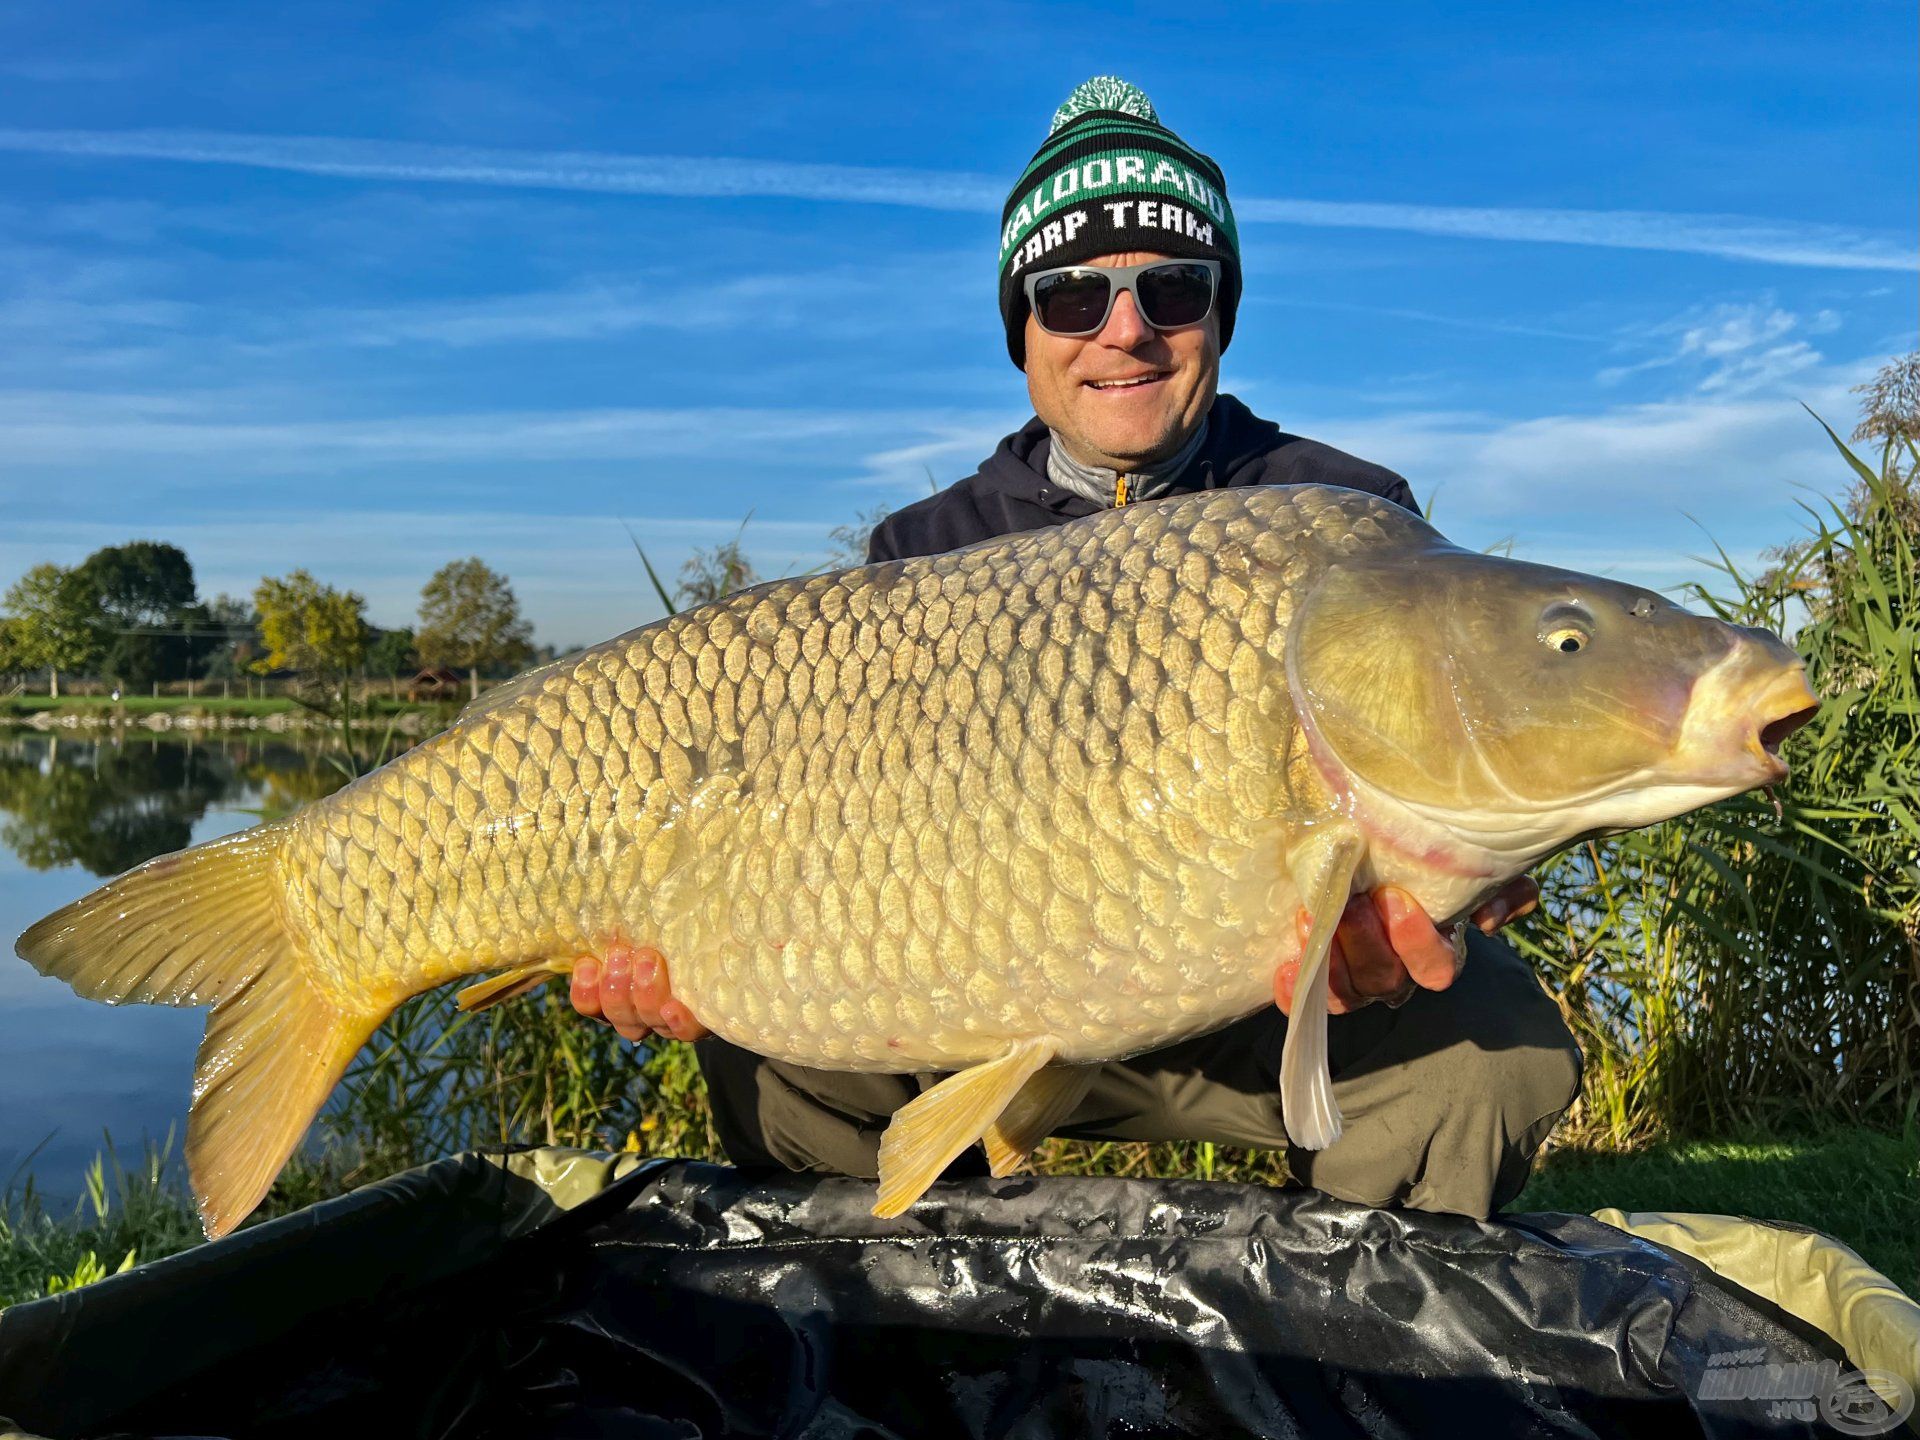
<point>1076,299</point>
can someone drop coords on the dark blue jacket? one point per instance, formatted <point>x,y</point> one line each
<point>1011,491</point>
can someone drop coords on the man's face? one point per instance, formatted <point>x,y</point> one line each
<point>1123,427</point>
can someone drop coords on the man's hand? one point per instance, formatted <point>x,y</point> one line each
<point>1386,946</point>
<point>629,990</point>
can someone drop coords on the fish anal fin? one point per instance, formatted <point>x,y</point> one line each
<point>927,1133</point>
<point>1323,868</point>
<point>1042,1104</point>
<point>497,989</point>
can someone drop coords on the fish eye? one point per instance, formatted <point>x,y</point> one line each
<point>1566,628</point>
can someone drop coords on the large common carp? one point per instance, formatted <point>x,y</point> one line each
<point>1052,799</point>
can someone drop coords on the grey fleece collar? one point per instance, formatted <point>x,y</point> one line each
<point>1101,486</point>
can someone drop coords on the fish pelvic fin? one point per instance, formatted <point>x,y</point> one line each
<point>205,927</point>
<point>1323,870</point>
<point>928,1132</point>
<point>1043,1103</point>
<point>508,984</point>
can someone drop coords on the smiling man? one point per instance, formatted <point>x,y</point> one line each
<point>1119,281</point>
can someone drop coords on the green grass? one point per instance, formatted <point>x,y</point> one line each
<point>124,1218</point>
<point>129,1215</point>
<point>20,707</point>
<point>1858,1185</point>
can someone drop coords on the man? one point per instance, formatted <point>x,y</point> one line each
<point>1119,281</point>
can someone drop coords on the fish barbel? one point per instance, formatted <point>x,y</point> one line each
<point>1049,800</point>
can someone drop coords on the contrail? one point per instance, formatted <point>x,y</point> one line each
<point>1737,237</point>
<point>1728,236</point>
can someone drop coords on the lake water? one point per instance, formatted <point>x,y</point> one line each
<point>77,807</point>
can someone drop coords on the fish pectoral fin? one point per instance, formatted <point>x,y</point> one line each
<point>1323,869</point>
<point>1043,1103</point>
<point>496,989</point>
<point>930,1131</point>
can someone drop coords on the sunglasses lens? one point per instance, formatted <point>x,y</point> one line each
<point>1175,295</point>
<point>1073,303</point>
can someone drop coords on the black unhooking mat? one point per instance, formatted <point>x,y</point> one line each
<point>690,1300</point>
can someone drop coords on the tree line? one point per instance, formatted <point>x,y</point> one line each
<point>132,613</point>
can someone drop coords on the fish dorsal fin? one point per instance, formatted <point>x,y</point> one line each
<point>526,683</point>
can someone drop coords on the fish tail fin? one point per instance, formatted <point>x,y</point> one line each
<point>205,927</point>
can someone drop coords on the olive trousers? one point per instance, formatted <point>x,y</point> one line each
<point>1446,1100</point>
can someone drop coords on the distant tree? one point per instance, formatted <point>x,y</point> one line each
<point>232,637</point>
<point>147,603</point>
<point>848,542</point>
<point>314,629</point>
<point>391,653</point>
<point>55,621</point>
<point>13,658</point>
<point>469,619</point>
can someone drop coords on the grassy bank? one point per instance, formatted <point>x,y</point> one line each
<point>1858,1185</point>
<point>93,706</point>
<point>137,706</point>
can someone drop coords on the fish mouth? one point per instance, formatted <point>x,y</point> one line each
<point>1779,710</point>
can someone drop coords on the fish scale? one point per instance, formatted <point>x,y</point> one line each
<point>1008,811</point>
<point>987,780</point>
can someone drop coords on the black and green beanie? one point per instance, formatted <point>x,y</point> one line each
<point>1110,177</point>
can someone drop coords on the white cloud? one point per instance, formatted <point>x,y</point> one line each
<point>1634,490</point>
<point>80,431</point>
<point>1728,236</point>
<point>1730,348</point>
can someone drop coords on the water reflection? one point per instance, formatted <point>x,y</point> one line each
<point>108,802</point>
<point>76,808</point>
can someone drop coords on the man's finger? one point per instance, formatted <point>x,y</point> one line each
<point>1283,979</point>
<point>1427,954</point>
<point>1519,896</point>
<point>653,997</point>
<point>1342,998</point>
<point>616,995</point>
<point>678,1022</point>
<point>583,988</point>
<point>1373,970</point>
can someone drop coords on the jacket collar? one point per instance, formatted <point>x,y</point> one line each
<point>1236,438</point>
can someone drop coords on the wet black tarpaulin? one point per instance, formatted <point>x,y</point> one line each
<point>691,1300</point>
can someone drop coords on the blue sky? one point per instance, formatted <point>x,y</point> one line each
<point>365,288</point>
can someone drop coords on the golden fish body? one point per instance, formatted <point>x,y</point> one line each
<point>889,819</point>
<point>1052,799</point>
